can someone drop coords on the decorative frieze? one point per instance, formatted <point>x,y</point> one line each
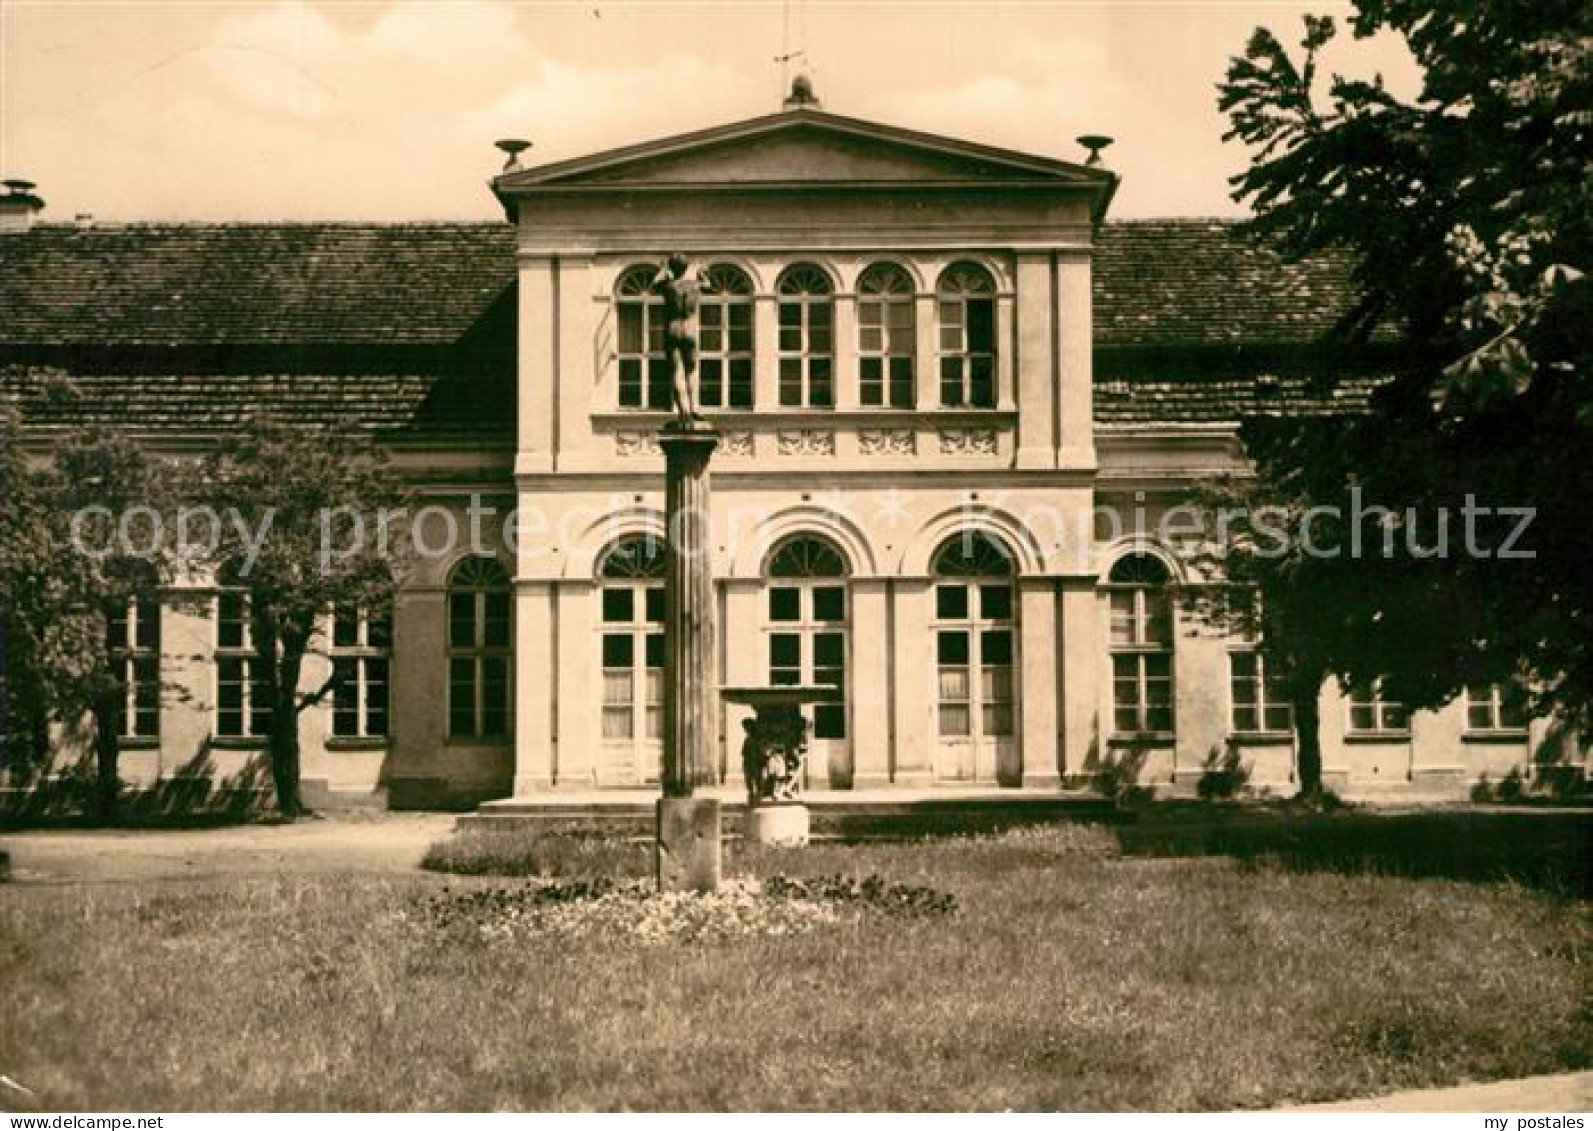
<point>636,444</point>
<point>886,442</point>
<point>805,442</point>
<point>735,444</point>
<point>968,441</point>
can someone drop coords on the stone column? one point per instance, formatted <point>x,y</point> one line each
<point>913,696</point>
<point>871,690</point>
<point>1036,439</point>
<point>844,354</point>
<point>1076,445</point>
<point>1083,648</point>
<point>535,669</point>
<point>1038,682</point>
<point>688,827</point>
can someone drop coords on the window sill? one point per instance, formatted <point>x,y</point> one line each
<point>1497,737</point>
<point>1373,737</point>
<point>234,742</point>
<point>1262,738</point>
<point>1153,739</point>
<point>350,743</point>
<point>140,742</point>
<point>792,414</point>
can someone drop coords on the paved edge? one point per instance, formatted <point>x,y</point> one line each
<point>1566,1092</point>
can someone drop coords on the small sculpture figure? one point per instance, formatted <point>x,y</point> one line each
<point>772,754</point>
<point>681,288</point>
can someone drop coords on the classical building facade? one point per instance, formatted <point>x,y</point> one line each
<point>955,404</point>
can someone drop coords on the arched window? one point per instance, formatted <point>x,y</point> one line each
<point>1141,645</point>
<point>632,577</point>
<point>724,355</point>
<point>974,629</point>
<point>885,336</point>
<point>644,379</point>
<point>807,624</point>
<point>480,640</point>
<point>966,304</point>
<point>807,338</point>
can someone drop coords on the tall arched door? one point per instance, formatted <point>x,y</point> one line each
<point>808,615</point>
<point>975,659</point>
<point>631,602</point>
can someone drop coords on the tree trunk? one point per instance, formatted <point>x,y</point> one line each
<point>284,745</point>
<point>107,749</point>
<point>1308,743</point>
<point>284,750</point>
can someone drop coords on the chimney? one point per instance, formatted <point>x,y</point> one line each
<point>18,206</point>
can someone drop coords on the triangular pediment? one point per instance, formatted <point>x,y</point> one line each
<point>802,147</point>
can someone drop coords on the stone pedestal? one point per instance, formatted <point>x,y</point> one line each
<point>782,826</point>
<point>687,855</point>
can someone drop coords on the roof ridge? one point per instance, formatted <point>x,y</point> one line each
<point>394,225</point>
<point>496,225</point>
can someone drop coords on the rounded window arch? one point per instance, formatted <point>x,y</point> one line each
<point>975,636</point>
<point>636,281</point>
<point>885,278</point>
<point>478,572</point>
<point>805,279</point>
<point>640,557</point>
<point>480,642</point>
<point>973,553</point>
<point>1139,568</point>
<point>725,338</point>
<point>886,336</point>
<point>806,349</point>
<point>808,618</point>
<point>966,277</point>
<point>1139,594</point>
<point>965,305</point>
<point>644,379</point>
<point>807,555</point>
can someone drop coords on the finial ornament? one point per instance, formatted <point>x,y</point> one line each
<point>513,147</point>
<point>1094,143</point>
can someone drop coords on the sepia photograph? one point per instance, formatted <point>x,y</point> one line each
<point>646,556</point>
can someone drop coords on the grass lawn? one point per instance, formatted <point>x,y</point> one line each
<point>1081,971</point>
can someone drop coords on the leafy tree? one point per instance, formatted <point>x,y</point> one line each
<point>28,587</point>
<point>113,506</point>
<point>1468,208</point>
<point>302,533</point>
<point>71,564</point>
<point>1325,584</point>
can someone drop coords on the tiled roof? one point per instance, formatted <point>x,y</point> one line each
<point>1157,283</point>
<point>1141,403</point>
<point>208,284</point>
<point>349,321</point>
<point>1169,283</point>
<point>431,407</point>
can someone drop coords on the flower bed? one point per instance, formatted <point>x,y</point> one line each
<point>634,911</point>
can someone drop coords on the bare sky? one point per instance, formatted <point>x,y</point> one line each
<point>388,111</point>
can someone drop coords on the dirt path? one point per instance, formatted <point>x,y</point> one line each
<point>385,842</point>
<point>1564,1093</point>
